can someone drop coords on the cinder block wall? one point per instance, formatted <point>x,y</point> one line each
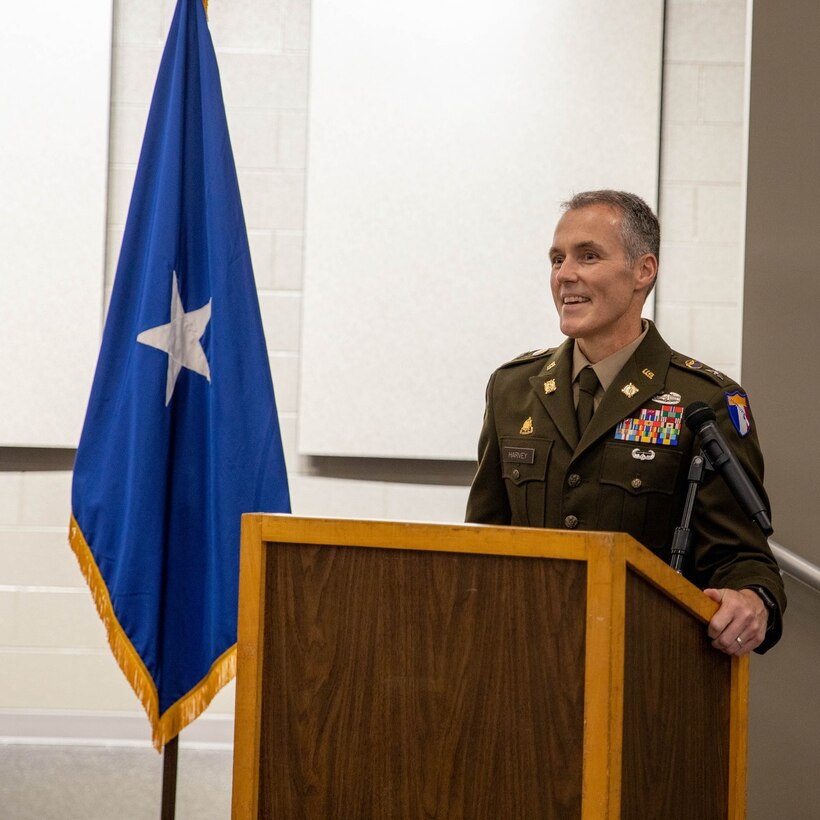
<point>700,290</point>
<point>59,679</point>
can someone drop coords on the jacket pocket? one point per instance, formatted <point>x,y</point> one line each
<point>524,468</point>
<point>642,481</point>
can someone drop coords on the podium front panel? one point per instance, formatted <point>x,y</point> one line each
<point>404,683</point>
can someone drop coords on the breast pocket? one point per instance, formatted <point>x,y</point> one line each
<point>524,467</point>
<point>641,483</point>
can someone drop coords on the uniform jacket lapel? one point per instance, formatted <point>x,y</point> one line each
<point>646,370</point>
<point>559,403</point>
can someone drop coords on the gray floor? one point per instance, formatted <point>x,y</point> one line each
<point>109,783</point>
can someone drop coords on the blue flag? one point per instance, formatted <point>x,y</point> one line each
<point>181,434</point>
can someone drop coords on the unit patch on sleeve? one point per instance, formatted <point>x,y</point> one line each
<point>739,412</point>
<point>653,426</point>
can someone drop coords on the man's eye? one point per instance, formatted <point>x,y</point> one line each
<point>556,261</point>
<point>590,256</point>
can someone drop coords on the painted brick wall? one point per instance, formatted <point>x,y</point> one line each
<point>700,289</point>
<point>59,678</point>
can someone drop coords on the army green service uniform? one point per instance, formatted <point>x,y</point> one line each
<point>628,472</point>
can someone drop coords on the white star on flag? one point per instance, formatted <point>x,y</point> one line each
<point>180,340</point>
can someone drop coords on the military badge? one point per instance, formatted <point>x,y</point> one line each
<point>694,364</point>
<point>629,390</point>
<point>526,427</point>
<point>653,426</point>
<point>549,386</point>
<point>739,412</point>
<point>667,398</point>
<point>551,365</point>
<point>648,373</point>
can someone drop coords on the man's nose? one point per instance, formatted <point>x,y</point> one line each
<point>568,272</point>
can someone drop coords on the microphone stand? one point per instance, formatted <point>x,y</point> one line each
<point>682,539</point>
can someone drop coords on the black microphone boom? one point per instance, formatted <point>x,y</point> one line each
<point>700,419</point>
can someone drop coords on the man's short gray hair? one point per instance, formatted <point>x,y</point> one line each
<point>640,229</point>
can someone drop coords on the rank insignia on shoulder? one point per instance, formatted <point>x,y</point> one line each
<point>549,386</point>
<point>739,412</point>
<point>659,425</point>
<point>694,364</point>
<point>667,398</point>
<point>526,427</point>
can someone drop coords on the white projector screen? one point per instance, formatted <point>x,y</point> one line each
<point>442,137</point>
<point>55,60</point>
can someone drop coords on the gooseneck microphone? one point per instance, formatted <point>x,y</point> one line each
<point>700,419</point>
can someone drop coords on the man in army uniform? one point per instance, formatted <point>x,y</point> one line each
<point>588,435</point>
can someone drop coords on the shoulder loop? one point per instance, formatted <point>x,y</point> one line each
<point>531,356</point>
<point>701,369</point>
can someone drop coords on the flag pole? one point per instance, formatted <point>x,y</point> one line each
<point>169,778</point>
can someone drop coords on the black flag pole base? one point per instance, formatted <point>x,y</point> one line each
<point>169,779</point>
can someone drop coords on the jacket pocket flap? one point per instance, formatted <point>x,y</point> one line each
<point>641,469</point>
<point>524,459</point>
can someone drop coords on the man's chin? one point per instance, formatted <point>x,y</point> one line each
<point>571,330</point>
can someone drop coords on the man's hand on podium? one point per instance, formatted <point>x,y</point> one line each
<point>740,624</point>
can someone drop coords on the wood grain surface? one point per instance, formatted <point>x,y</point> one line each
<point>408,684</point>
<point>676,713</point>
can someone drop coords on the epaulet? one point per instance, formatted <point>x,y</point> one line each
<point>530,356</point>
<point>694,366</point>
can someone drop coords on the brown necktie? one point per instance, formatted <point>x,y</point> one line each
<point>587,385</point>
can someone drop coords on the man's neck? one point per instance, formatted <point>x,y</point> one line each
<point>598,349</point>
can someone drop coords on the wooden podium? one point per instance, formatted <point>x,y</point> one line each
<point>394,670</point>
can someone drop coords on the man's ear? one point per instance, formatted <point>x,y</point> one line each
<point>647,269</point>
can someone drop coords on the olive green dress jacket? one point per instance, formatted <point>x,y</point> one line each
<point>628,472</point>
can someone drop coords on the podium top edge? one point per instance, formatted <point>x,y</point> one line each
<point>482,539</point>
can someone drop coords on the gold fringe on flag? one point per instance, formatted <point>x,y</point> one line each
<point>167,726</point>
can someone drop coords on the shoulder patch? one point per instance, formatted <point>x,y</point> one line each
<point>739,411</point>
<point>694,366</point>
